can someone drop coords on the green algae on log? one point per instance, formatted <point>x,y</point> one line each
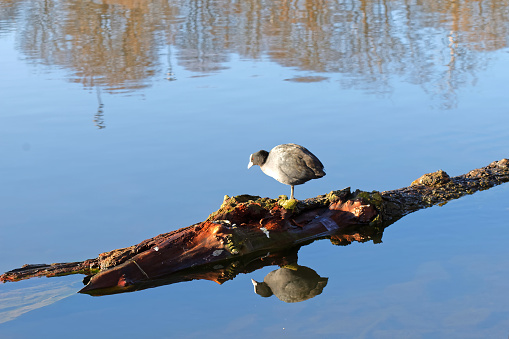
<point>247,229</point>
<point>438,188</point>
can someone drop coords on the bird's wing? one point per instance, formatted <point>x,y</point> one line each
<point>304,166</point>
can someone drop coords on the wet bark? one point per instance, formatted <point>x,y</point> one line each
<point>249,232</point>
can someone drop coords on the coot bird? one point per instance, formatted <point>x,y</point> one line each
<point>294,284</point>
<point>289,164</point>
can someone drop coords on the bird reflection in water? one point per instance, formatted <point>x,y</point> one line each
<point>291,283</point>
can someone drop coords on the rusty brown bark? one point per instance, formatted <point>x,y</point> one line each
<point>249,232</point>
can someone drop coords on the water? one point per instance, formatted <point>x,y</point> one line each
<point>122,120</point>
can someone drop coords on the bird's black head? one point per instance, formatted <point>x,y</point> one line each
<point>258,158</point>
<point>261,288</point>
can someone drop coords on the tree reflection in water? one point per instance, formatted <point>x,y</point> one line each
<point>117,44</point>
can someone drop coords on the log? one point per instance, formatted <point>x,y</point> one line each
<point>249,232</point>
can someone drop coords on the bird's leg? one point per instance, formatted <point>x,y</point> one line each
<point>291,195</point>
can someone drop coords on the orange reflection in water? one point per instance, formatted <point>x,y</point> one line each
<point>117,44</point>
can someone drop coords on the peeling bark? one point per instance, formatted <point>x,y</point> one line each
<point>249,232</point>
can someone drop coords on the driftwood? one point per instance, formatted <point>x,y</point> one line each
<point>249,232</point>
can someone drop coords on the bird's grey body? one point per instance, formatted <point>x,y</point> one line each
<point>289,164</point>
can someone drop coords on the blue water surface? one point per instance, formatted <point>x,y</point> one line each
<point>88,166</point>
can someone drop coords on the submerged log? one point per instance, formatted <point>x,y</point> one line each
<point>248,232</point>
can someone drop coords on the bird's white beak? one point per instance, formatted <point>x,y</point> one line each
<point>255,283</point>
<point>250,162</point>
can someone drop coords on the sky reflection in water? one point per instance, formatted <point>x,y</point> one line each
<point>179,93</point>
